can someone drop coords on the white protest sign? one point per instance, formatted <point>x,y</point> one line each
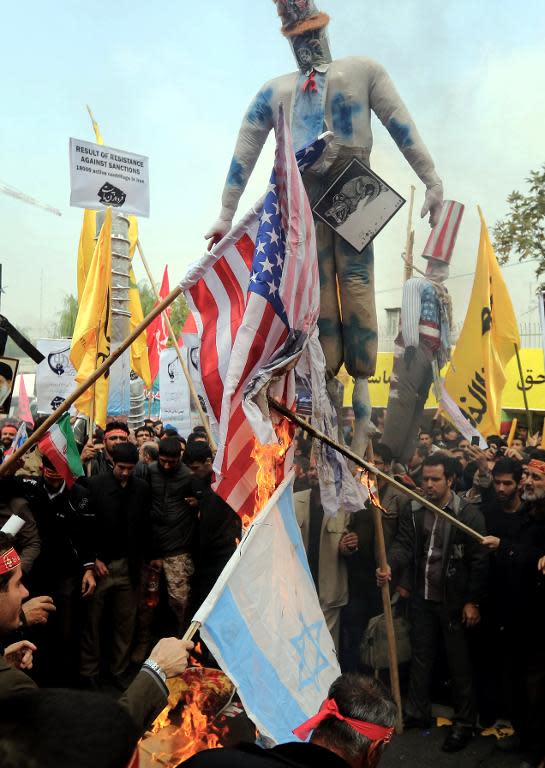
<point>175,398</point>
<point>55,376</point>
<point>101,176</point>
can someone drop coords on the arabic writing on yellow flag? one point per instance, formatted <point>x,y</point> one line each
<point>92,333</point>
<point>476,376</point>
<point>86,249</point>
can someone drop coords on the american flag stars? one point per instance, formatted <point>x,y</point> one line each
<point>268,259</point>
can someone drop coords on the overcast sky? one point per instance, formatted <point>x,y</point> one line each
<point>172,80</point>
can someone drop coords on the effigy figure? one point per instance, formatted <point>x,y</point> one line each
<point>338,96</point>
<point>422,346</point>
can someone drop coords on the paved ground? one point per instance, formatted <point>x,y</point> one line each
<point>422,749</point>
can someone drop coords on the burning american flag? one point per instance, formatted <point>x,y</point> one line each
<point>255,299</point>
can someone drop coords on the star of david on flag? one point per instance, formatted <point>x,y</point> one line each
<point>263,623</point>
<point>311,658</point>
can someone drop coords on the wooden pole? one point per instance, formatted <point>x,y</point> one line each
<point>523,385</point>
<point>192,630</point>
<point>387,607</point>
<point>100,371</point>
<point>409,242</point>
<point>191,385</point>
<point>347,453</point>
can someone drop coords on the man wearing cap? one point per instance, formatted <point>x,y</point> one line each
<point>146,696</point>
<point>336,95</point>
<point>174,523</point>
<point>101,458</point>
<point>353,727</point>
<point>219,527</point>
<point>121,505</point>
<point>424,337</point>
<point>519,550</point>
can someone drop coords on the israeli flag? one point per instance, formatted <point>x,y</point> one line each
<point>264,625</point>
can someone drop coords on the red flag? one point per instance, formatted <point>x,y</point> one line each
<point>190,328</point>
<point>23,406</point>
<point>157,331</point>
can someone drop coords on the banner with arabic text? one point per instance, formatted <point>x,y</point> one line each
<point>532,367</point>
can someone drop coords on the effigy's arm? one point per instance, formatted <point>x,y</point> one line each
<point>253,133</point>
<point>387,104</point>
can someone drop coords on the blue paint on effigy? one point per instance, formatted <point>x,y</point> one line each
<point>260,111</point>
<point>343,110</point>
<point>235,175</point>
<point>400,132</point>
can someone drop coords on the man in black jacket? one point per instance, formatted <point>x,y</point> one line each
<point>64,568</point>
<point>121,504</point>
<point>173,522</point>
<point>219,527</point>
<point>450,571</point>
<point>517,541</point>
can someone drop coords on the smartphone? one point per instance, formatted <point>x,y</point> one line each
<point>475,440</point>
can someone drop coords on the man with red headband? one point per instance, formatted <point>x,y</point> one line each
<point>352,728</point>
<point>146,696</point>
<point>101,458</point>
<point>519,551</point>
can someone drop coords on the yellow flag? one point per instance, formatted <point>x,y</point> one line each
<point>92,333</point>
<point>476,376</point>
<point>86,248</point>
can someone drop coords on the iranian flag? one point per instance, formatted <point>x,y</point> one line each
<point>59,445</point>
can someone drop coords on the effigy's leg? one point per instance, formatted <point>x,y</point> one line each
<point>409,389</point>
<point>359,330</point>
<point>329,324</point>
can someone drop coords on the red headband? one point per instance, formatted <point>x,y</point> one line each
<point>9,561</point>
<point>538,465</point>
<point>116,433</point>
<point>330,709</point>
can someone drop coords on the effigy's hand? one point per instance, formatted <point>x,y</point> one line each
<point>433,203</point>
<point>217,231</point>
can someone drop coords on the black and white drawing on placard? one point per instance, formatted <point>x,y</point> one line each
<point>358,204</point>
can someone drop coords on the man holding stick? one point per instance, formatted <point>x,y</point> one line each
<point>449,581</point>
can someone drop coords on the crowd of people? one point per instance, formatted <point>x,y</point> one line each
<point>476,609</point>
<point>125,555</point>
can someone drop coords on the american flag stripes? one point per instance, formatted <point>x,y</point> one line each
<point>255,300</point>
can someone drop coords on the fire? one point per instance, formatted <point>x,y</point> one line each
<point>269,459</point>
<point>202,693</point>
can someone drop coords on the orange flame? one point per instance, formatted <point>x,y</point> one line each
<point>269,459</point>
<point>197,730</point>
